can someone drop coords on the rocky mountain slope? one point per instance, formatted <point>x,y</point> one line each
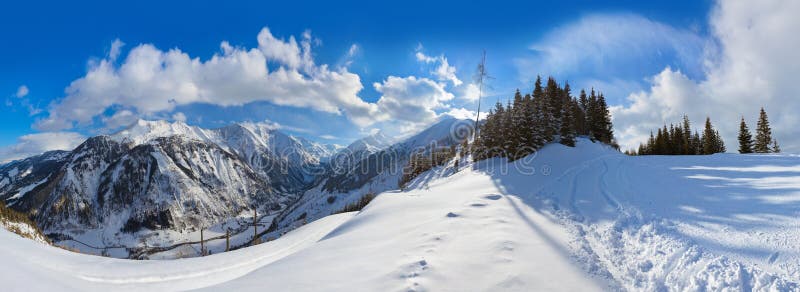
<point>156,177</point>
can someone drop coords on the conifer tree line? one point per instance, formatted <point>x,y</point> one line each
<point>678,139</point>
<point>549,114</point>
<point>763,142</point>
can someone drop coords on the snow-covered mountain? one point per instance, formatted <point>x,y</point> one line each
<point>368,166</point>
<point>162,181</point>
<point>19,177</point>
<point>157,175</point>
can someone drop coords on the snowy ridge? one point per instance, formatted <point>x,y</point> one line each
<point>368,166</point>
<point>143,131</point>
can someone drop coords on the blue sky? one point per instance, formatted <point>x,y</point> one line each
<point>620,47</point>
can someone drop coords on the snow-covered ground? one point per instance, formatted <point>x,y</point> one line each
<point>577,219</point>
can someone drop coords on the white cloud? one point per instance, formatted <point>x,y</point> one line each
<point>462,113</point>
<point>755,65</point>
<point>116,48</point>
<point>350,56</point>
<point>22,91</point>
<point>122,118</point>
<point>672,93</point>
<point>411,99</point>
<point>34,144</point>
<point>409,103</point>
<point>179,116</point>
<point>618,46</point>
<point>443,71</point>
<point>353,50</point>
<point>470,92</point>
<point>150,81</point>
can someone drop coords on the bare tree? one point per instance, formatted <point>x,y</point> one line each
<point>480,76</point>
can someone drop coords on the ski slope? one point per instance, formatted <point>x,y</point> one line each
<point>565,219</point>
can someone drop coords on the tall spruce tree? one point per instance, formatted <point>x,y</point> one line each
<point>763,134</point>
<point>517,132</point>
<point>604,120</point>
<point>698,143</point>
<point>688,144</point>
<point>553,107</point>
<point>508,134</point>
<point>580,123</point>
<point>720,144</point>
<point>745,138</point>
<point>567,131</point>
<point>592,117</point>
<point>712,143</point>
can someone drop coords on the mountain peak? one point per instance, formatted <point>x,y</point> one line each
<point>142,131</point>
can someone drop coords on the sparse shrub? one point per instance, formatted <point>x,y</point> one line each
<point>8,215</point>
<point>420,162</point>
<point>358,205</point>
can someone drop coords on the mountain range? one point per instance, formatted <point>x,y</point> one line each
<point>154,180</point>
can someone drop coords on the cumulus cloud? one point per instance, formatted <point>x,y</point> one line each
<point>151,81</point>
<point>754,65</point>
<point>443,70</point>
<point>121,118</point>
<point>22,91</point>
<point>607,50</point>
<point>470,92</point>
<point>411,99</point>
<point>179,116</point>
<point>34,144</point>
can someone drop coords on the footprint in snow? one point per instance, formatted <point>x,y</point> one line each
<point>494,197</point>
<point>452,215</point>
<point>478,204</point>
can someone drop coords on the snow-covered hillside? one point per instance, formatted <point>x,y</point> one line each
<point>569,219</point>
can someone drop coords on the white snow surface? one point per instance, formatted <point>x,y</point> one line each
<point>565,219</point>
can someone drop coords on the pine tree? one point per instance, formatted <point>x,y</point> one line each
<point>553,107</point>
<point>592,116</point>
<point>535,138</point>
<point>651,143</point>
<point>709,137</point>
<point>580,114</point>
<point>517,128</point>
<point>507,134</point>
<point>775,147</point>
<point>604,118</point>
<point>697,144</point>
<point>688,145</point>
<point>720,144</point>
<point>642,149</point>
<point>763,134</point>
<point>745,138</point>
<point>567,125</point>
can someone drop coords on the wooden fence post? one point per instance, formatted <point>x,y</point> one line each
<point>227,240</point>
<point>202,245</point>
